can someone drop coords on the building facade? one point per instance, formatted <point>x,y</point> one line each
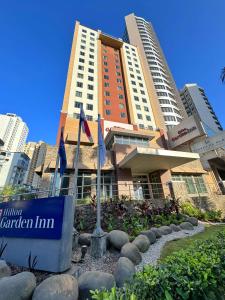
<point>196,103</point>
<point>36,152</point>
<point>140,33</point>
<point>13,168</point>
<point>13,132</point>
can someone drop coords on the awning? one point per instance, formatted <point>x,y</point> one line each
<point>143,160</point>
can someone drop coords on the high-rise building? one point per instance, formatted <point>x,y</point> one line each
<point>140,33</point>
<point>13,132</point>
<point>36,152</point>
<point>196,103</point>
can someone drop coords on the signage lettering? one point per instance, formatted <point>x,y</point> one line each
<point>183,132</point>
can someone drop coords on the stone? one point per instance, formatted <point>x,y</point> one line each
<point>75,271</point>
<point>17,287</point>
<point>57,287</point>
<point>164,230</point>
<point>192,220</point>
<point>150,235</point>
<point>156,232</point>
<point>118,238</point>
<point>124,271</point>
<point>85,239</point>
<point>98,245</point>
<point>4,269</point>
<point>175,227</point>
<point>141,242</point>
<point>93,280</point>
<point>186,226</point>
<point>131,251</point>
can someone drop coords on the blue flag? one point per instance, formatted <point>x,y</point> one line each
<point>101,145</point>
<point>62,155</point>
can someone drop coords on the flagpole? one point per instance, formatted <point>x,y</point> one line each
<point>98,230</point>
<point>53,189</point>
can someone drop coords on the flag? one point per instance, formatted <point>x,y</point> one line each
<point>101,145</point>
<point>62,155</point>
<point>84,125</point>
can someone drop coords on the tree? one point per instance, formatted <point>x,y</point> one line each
<point>222,76</point>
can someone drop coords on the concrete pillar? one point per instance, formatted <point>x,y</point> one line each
<point>125,183</point>
<point>165,176</point>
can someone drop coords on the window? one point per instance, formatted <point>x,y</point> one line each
<point>139,116</point>
<point>89,106</point>
<point>137,71</point>
<point>80,84</point>
<point>106,93</point>
<point>146,109</point>
<point>141,85</point>
<point>92,44</point>
<point>81,60</point>
<point>131,69</point>
<point>78,94</point>
<point>106,70</point>
<point>84,30</point>
<point>91,56</point>
<point>83,41</point>
<point>81,68</point>
<point>119,88</point>
<point>90,70</point>
<point>166,109</point>
<point>91,63</point>
<point>148,118</point>
<point>120,96</point>
<point>133,82</point>
<point>92,50</point>
<point>83,36</point>
<point>90,96</point>
<point>164,101</point>
<point>141,126</point>
<point>78,104</point>
<point>144,100</point>
<point>82,53</point>
<point>89,118</point>
<point>161,94</point>
<point>105,57</point>
<point>92,33</point>
<point>194,183</point>
<point>169,118</point>
<point>138,106</point>
<point>121,105</point>
<point>106,84</point>
<point>122,115</point>
<point>106,76</point>
<point>79,75</point>
<point>135,90</point>
<point>119,80</point>
<point>107,102</point>
<point>142,92</point>
<point>105,63</point>
<point>90,78</point>
<point>82,47</point>
<point>90,87</point>
<point>108,112</point>
<point>136,98</point>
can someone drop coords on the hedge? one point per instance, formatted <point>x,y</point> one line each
<point>197,272</point>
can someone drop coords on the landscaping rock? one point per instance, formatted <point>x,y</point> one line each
<point>17,287</point>
<point>124,271</point>
<point>141,242</point>
<point>150,235</point>
<point>4,269</point>
<point>118,238</point>
<point>164,230</point>
<point>156,232</point>
<point>85,239</point>
<point>93,280</point>
<point>192,220</point>
<point>131,251</point>
<point>175,227</point>
<point>187,226</point>
<point>57,287</point>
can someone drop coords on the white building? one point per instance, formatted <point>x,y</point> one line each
<point>13,168</point>
<point>13,132</point>
<point>196,103</point>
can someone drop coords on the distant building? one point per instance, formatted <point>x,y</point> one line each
<point>196,103</point>
<point>36,152</point>
<point>13,132</point>
<point>13,168</point>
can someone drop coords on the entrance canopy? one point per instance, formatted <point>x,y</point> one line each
<point>149,160</point>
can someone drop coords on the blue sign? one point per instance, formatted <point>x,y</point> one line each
<point>37,218</point>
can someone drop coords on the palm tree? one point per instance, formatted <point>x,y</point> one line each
<point>222,75</point>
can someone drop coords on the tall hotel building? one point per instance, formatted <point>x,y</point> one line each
<point>137,104</point>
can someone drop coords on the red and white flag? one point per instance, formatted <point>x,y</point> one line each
<point>84,125</point>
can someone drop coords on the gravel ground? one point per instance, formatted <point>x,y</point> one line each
<point>153,254</point>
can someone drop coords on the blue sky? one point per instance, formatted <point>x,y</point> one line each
<point>36,38</point>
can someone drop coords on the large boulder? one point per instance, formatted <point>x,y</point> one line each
<point>17,287</point>
<point>141,242</point>
<point>124,271</point>
<point>57,287</point>
<point>186,226</point>
<point>156,232</point>
<point>175,227</point>
<point>164,230</point>
<point>4,269</point>
<point>118,238</point>
<point>93,280</point>
<point>192,220</point>
<point>85,239</point>
<point>131,251</point>
<point>150,235</point>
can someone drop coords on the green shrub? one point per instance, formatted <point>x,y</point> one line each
<point>197,272</point>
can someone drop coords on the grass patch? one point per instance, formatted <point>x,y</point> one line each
<point>179,244</point>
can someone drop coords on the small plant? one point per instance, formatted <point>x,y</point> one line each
<point>2,248</point>
<point>32,262</point>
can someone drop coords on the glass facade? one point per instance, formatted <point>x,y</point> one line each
<point>194,183</point>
